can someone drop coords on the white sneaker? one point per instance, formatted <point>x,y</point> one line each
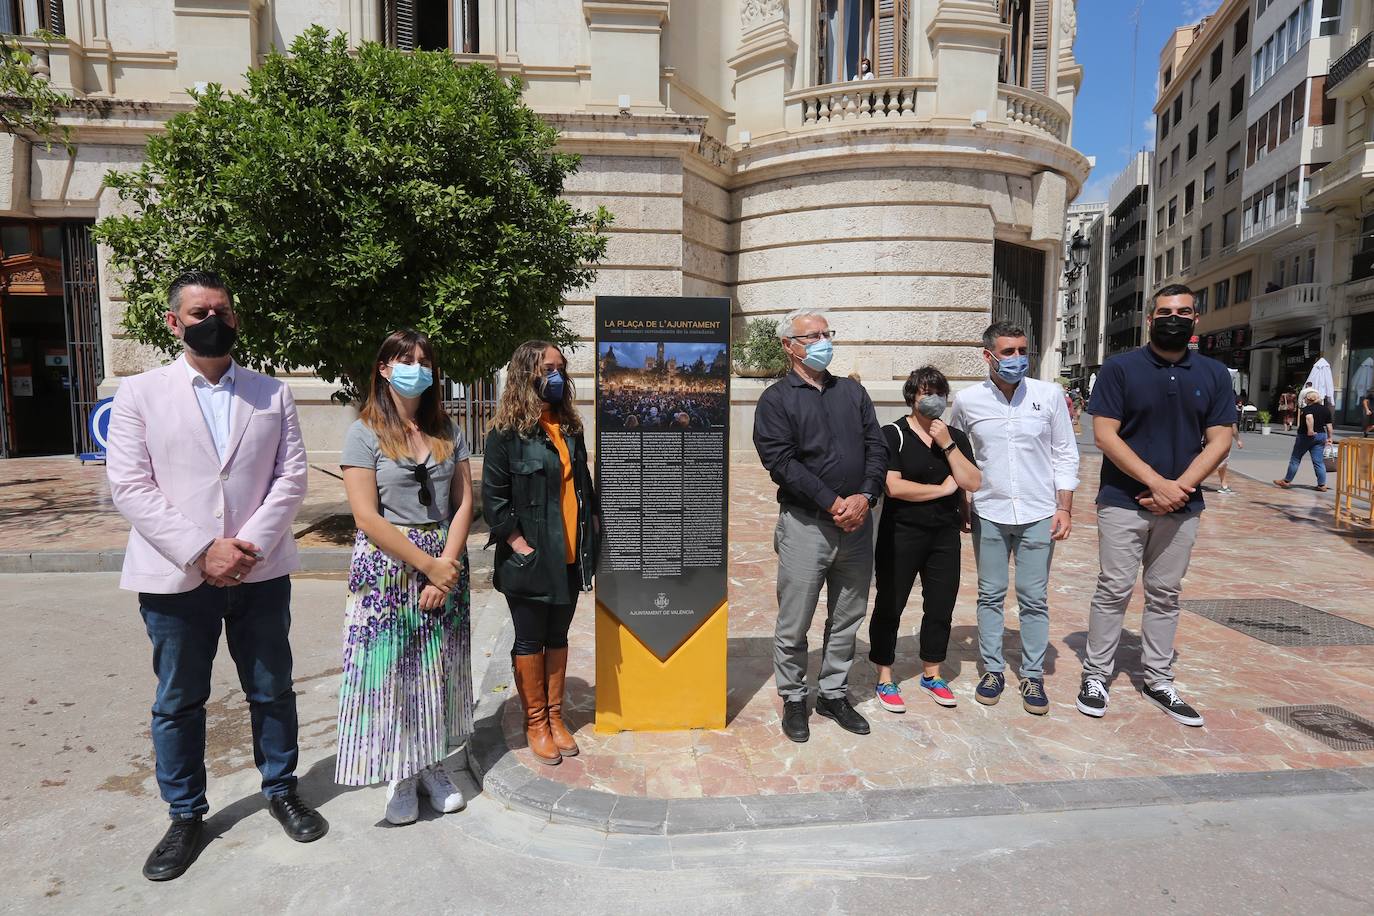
<point>444,796</point>
<point>402,805</point>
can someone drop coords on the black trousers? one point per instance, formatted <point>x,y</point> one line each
<point>901,554</point>
<point>540,625</point>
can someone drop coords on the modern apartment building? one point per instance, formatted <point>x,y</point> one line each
<point>1344,191</point>
<point>1198,179</point>
<point>1128,253</point>
<point>1094,309</point>
<point>1074,298</point>
<point>732,140</point>
<point>1291,133</point>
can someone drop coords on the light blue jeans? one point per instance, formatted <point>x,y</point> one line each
<point>994,545</point>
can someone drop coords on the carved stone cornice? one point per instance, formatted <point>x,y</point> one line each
<point>967,19</point>
<point>765,45</point>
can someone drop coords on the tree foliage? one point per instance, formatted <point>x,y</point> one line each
<point>343,196</point>
<point>28,104</point>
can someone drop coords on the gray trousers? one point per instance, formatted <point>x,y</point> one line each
<point>1127,541</point>
<point>813,551</point>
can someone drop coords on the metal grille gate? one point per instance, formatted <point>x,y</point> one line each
<point>1018,291</point>
<point>81,295</point>
<point>472,407</point>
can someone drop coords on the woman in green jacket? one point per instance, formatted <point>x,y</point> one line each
<point>538,498</point>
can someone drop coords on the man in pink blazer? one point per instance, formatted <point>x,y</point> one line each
<point>207,464</point>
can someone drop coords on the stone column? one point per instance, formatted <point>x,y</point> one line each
<point>966,44</point>
<point>625,41</point>
<point>763,70</point>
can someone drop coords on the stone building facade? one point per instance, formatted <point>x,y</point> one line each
<point>739,154</point>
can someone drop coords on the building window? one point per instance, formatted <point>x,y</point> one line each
<point>1169,263</point>
<point>1229,228</point>
<point>1168,77</point>
<point>1178,108</point>
<point>1218,57</point>
<point>1159,266</point>
<point>430,25</point>
<point>1205,243</point>
<point>1243,287</point>
<point>1187,257</point>
<point>1213,122</point>
<point>1240,35</point>
<point>1192,144</point>
<point>849,31</point>
<point>1173,210</point>
<point>1188,194</point>
<point>24,17</point>
<point>1232,163</point>
<point>1018,291</point>
<point>1200,301</point>
<point>1330,22</point>
<point>1192,89</point>
<point>1164,125</point>
<point>1222,293</point>
<point>1209,181</point>
<point>1159,220</point>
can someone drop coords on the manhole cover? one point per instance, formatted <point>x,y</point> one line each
<point>1280,622</point>
<point>1333,726</point>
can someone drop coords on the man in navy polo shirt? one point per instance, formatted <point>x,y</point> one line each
<point>1162,417</point>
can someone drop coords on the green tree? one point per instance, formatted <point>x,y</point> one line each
<point>28,105</point>
<point>343,196</point>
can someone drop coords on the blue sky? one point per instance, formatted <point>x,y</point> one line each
<point>1105,122</point>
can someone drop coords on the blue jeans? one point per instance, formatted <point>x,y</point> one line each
<point>184,630</point>
<point>994,545</point>
<point>1308,445</point>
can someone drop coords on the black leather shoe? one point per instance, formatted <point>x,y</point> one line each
<point>838,708</point>
<point>175,852</point>
<point>301,822</point>
<point>794,724</point>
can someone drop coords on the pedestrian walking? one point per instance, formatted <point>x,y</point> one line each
<point>1288,408</point>
<point>819,438</point>
<point>930,468</point>
<point>538,499</point>
<point>1367,406</point>
<point>1314,432</point>
<point>406,692</point>
<point>207,465</point>
<point>1023,435</point>
<point>1162,416</point>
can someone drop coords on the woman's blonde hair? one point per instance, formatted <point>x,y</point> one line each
<point>1312,396</point>
<point>521,406</point>
<point>380,415</point>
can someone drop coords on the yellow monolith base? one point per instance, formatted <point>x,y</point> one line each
<point>637,692</point>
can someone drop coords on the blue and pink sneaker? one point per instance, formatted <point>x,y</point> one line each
<point>890,698</point>
<point>938,690</point>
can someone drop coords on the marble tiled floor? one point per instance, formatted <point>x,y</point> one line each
<point>1260,542</point>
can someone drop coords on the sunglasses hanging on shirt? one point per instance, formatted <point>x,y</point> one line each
<point>421,473</point>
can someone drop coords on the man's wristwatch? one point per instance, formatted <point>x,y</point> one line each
<point>951,447</point>
<point>872,500</point>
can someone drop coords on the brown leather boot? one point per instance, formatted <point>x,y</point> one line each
<point>555,673</point>
<point>529,683</point>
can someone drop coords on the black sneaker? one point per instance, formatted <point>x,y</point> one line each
<point>838,708</point>
<point>1033,696</point>
<point>989,689</point>
<point>1166,698</point>
<point>794,724</point>
<point>175,852</point>
<point>1092,698</point>
<point>301,822</point>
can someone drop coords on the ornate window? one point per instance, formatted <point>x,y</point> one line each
<point>851,31</point>
<point>1026,51</point>
<point>24,17</point>
<point>430,25</point>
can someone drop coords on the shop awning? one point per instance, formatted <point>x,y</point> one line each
<point>1278,343</point>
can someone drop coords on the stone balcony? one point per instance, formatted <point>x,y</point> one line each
<point>1352,73</point>
<point>1301,300</point>
<point>1344,181</point>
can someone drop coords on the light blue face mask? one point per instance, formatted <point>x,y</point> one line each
<point>410,379</point>
<point>1012,369</point>
<point>819,354</point>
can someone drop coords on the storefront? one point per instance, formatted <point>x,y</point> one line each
<point>1359,373</point>
<point>1284,364</point>
<point>1231,348</point>
<point>50,358</point>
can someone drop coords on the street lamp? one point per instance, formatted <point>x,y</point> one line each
<point>1078,255</point>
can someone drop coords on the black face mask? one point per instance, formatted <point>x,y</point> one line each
<point>1171,332</point>
<point>211,337</point>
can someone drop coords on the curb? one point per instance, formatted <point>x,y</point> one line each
<point>313,559</point>
<point>516,786</point>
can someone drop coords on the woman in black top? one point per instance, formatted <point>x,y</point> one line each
<point>1314,431</point>
<point>930,468</point>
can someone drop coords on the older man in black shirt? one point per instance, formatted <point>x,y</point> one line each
<point>820,440</point>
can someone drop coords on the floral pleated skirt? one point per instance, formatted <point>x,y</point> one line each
<point>406,696</point>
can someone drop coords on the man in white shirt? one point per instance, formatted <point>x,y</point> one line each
<point>1024,442</point>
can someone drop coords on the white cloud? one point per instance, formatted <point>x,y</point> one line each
<point>1095,191</point>
<point>1193,10</point>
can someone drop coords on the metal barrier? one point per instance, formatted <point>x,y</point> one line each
<point>1355,482</point>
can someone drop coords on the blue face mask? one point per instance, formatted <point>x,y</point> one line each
<point>410,379</point>
<point>555,388</point>
<point>1012,369</point>
<point>819,354</point>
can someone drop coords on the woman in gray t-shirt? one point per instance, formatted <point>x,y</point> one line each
<point>406,696</point>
